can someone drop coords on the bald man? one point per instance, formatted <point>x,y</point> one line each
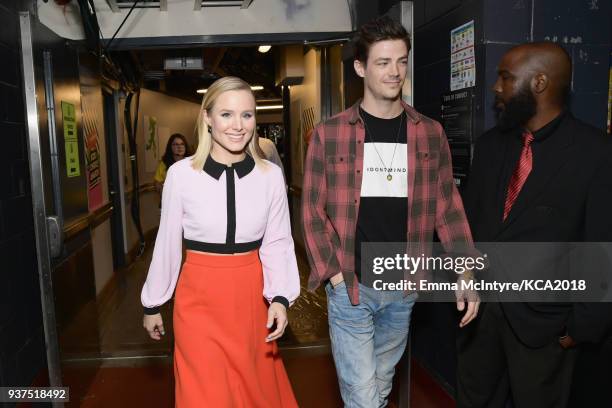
<point>540,175</point>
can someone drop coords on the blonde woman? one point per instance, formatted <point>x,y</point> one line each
<point>240,273</point>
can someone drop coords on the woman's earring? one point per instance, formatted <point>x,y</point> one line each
<point>210,129</point>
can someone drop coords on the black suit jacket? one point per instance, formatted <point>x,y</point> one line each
<point>567,198</point>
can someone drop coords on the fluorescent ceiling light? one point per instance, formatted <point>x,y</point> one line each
<point>269,107</point>
<point>264,48</point>
<point>253,87</point>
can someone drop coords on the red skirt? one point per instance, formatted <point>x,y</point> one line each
<point>221,358</point>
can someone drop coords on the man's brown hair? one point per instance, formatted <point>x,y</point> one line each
<point>381,29</point>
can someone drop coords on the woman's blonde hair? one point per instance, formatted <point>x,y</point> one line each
<point>220,86</point>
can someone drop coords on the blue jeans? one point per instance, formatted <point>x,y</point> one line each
<point>367,341</point>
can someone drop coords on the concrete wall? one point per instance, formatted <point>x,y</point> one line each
<point>584,29</point>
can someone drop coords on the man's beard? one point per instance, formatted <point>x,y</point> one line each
<point>517,111</point>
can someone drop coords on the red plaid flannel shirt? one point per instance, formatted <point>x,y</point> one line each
<point>332,189</point>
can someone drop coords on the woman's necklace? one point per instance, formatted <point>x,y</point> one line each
<point>389,176</point>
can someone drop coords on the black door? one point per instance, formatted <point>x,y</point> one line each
<point>113,155</point>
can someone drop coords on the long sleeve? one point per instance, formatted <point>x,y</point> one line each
<point>167,254</point>
<point>591,322</point>
<point>316,223</point>
<point>160,172</point>
<point>451,222</point>
<point>277,253</point>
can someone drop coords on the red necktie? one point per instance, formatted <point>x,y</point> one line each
<point>520,174</point>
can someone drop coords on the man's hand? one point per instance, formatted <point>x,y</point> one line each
<point>470,297</point>
<point>278,312</point>
<point>336,279</point>
<point>567,342</point>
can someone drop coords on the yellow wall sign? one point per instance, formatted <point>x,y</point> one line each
<point>71,142</point>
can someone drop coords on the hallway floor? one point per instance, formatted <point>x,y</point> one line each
<point>130,370</point>
<point>151,385</point>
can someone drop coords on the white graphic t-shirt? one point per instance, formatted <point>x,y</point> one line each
<point>383,206</point>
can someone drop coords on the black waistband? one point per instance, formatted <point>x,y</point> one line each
<point>222,248</point>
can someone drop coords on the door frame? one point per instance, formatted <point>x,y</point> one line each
<point>115,176</point>
<point>43,255</point>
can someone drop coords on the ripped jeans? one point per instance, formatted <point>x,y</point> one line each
<point>367,341</point>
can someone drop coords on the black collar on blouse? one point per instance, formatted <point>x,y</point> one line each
<point>215,169</point>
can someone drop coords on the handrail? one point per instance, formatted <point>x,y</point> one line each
<point>90,220</point>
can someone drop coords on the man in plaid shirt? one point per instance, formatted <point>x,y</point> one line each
<point>377,172</point>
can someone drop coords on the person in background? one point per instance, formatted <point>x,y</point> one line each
<point>177,149</point>
<point>270,153</point>
<point>540,175</point>
<point>240,275</point>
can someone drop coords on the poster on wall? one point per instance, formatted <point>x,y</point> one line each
<point>151,143</point>
<point>463,58</point>
<point>71,143</point>
<point>92,155</point>
<point>457,119</point>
